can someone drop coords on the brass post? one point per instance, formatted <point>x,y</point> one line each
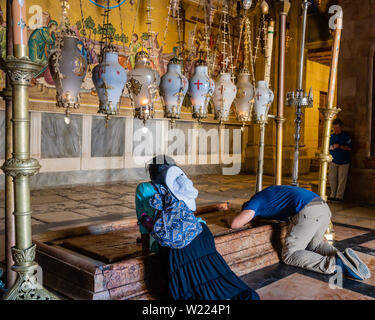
<point>20,167</point>
<point>329,113</point>
<point>262,131</point>
<point>9,194</point>
<point>281,92</point>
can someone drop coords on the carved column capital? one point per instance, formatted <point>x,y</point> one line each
<point>322,157</point>
<point>329,113</point>
<point>21,70</point>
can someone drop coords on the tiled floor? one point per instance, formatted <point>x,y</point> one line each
<point>57,208</point>
<point>294,287</point>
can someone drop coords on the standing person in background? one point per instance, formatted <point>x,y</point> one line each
<point>340,149</point>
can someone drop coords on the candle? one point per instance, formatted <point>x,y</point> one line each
<point>19,22</point>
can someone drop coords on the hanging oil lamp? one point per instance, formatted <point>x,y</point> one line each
<point>264,7</point>
<point>201,88</point>
<point>225,90</point>
<point>68,67</point>
<point>246,4</point>
<point>173,88</point>
<point>263,100</point>
<point>109,78</point>
<point>143,87</point>
<point>245,90</point>
<point>174,85</point>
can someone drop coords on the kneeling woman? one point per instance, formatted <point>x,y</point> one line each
<point>165,208</point>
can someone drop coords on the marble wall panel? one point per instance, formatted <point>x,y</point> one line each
<point>233,148</point>
<point>145,138</point>
<point>179,138</point>
<point>108,140</point>
<point>60,140</point>
<point>209,133</point>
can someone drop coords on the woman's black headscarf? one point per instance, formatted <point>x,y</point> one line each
<point>158,166</point>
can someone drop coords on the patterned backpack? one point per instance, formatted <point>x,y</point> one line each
<point>175,224</point>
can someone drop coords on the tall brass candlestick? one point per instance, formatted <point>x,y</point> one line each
<point>299,98</point>
<point>9,193</point>
<point>281,91</point>
<point>20,167</point>
<point>329,113</point>
<point>263,123</point>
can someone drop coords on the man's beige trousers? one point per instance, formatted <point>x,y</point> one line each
<point>338,175</point>
<point>305,245</point>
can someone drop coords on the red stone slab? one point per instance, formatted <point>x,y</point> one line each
<point>109,247</point>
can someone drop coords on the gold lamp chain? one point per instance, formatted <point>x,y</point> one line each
<point>150,32</point>
<point>167,22</point>
<point>231,45</point>
<point>224,42</point>
<point>180,42</point>
<point>240,38</point>
<point>83,24</point>
<point>213,67</point>
<point>258,39</point>
<point>195,29</point>
<point>246,44</point>
<point>207,36</point>
<point>135,17</point>
<point>122,27</point>
<point>65,20</point>
<point>251,54</point>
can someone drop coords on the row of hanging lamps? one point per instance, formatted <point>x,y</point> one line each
<point>174,85</point>
<point>201,89</point>
<point>68,66</point>
<point>225,90</point>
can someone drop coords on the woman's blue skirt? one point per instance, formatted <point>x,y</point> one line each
<point>199,272</point>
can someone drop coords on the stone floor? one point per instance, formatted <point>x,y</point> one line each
<point>56,208</point>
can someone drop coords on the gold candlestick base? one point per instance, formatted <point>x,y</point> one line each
<point>27,286</point>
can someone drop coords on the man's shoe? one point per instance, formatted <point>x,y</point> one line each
<point>339,200</point>
<point>331,199</point>
<point>358,263</point>
<point>347,267</point>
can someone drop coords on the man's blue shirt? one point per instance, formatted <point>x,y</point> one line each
<point>279,202</point>
<point>341,156</point>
